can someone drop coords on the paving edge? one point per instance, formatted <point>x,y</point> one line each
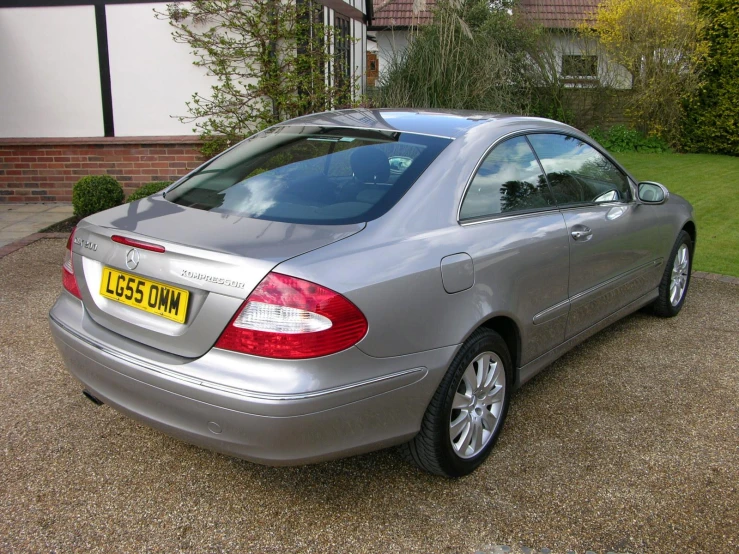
<point>30,239</point>
<point>715,277</point>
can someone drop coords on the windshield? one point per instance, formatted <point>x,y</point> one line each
<point>311,175</point>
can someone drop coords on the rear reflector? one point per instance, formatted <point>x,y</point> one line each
<point>69,281</point>
<point>289,318</point>
<point>137,243</point>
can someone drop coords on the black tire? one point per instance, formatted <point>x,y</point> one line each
<point>432,449</point>
<point>663,306</point>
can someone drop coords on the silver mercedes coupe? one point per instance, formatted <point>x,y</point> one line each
<point>351,280</point>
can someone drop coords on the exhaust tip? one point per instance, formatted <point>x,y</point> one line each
<point>92,399</point>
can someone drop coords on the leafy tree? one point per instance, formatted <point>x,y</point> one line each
<point>657,42</point>
<point>271,60</point>
<point>712,124</point>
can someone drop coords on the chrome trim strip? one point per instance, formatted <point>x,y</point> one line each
<point>551,313</point>
<point>526,372</point>
<point>516,215</point>
<point>592,290</point>
<point>225,388</point>
<point>614,204</point>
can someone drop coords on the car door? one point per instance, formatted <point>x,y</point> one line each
<point>517,239</point>
<point>613,243</point>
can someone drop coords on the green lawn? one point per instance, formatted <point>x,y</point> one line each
<point>711,184</point>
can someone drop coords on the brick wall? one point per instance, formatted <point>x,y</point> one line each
<point>44,170</point>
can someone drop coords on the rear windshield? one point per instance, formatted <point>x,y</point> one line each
<point>311,175</point>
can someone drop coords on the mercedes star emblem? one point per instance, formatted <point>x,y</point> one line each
<point>132,259</point>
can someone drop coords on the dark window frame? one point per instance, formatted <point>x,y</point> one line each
<point>342,51</point>
<point>579,66</point>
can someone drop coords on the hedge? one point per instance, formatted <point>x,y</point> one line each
<point>712,121</point>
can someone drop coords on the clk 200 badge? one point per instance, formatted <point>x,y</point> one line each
<point>85,244</point>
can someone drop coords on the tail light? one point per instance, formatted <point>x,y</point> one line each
<point>68,279</point>
<point>289,318</point>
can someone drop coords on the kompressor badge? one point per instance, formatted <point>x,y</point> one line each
<point>212,279</point>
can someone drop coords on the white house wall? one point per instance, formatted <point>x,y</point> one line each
<point>359,50</point>
<point>50,82</point>
<point>390,44</point>
<point>152,77</point>
<point>359,58</point>
<point>49,73</point>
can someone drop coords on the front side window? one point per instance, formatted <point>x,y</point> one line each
<point>577,172</point>
<point>311,175</point>
<point>508,180</point>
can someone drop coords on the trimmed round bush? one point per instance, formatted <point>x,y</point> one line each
<point>96,193</point>
<point>147,190</point>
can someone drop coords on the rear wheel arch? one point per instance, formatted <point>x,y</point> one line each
<point>510,333</point>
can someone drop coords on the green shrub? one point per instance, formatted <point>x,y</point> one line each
<point>620,138</point>
<point>96,193</point>
<point>712,122</point>
<point>599,135</point>
<point>147,190</point>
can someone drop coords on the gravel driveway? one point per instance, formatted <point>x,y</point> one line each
<point>630,443</point>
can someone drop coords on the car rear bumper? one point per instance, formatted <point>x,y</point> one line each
<point>274,428</point>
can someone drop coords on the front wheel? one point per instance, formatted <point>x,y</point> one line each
<point>466,414</point>
<point>675,280</point>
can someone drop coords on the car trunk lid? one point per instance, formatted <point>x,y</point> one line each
<point>211,262</point>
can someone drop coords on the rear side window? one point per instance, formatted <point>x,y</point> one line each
<point>508,180</point>
<point>577,172</point>
<point>311,175</point>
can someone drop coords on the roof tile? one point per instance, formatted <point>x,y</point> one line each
<point>554,14</point>
<point>559,14</point>
<point>400,13</point>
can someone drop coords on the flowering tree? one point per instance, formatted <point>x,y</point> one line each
<point>657,42</point>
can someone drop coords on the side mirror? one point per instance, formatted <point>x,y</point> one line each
<point>652,193</point>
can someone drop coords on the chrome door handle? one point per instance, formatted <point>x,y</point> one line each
<point>581,232</point>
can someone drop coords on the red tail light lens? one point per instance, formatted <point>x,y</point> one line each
<point>68,279</point>
<point>289,318</point>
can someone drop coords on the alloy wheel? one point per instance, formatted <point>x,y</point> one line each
<point>477,405</point>
<point>679,278</point>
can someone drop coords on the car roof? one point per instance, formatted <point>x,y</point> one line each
<point>442,123</point>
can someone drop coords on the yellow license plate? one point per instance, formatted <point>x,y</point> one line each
<point>144,294</point>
